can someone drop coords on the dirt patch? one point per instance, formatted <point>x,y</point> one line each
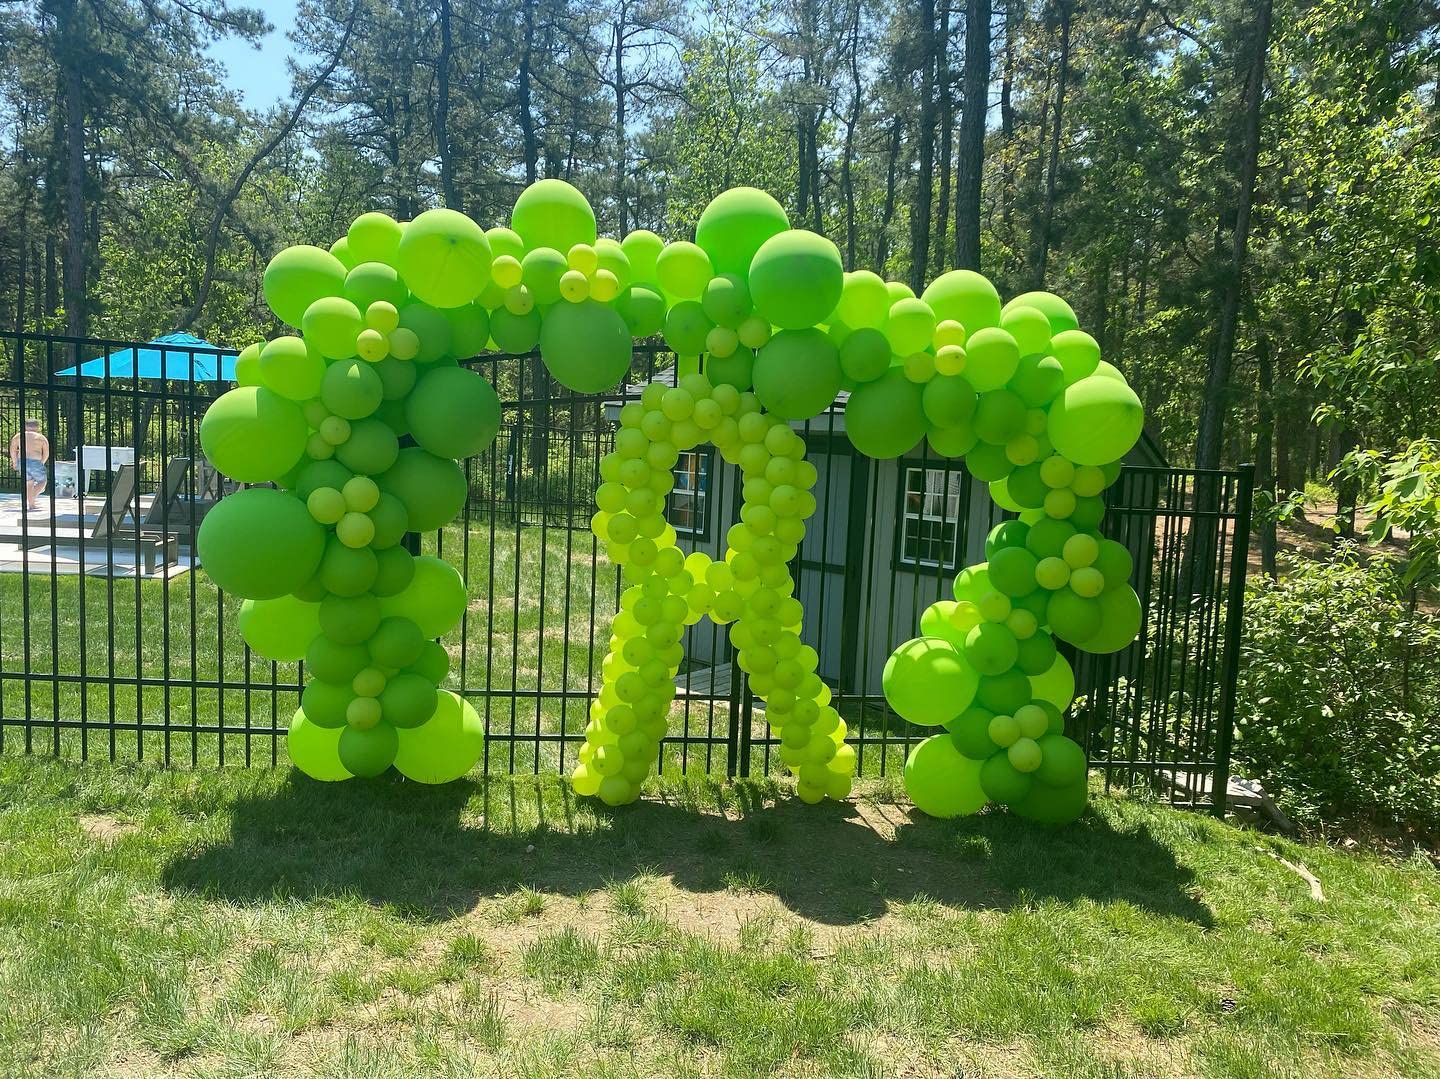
<point>106,830</point>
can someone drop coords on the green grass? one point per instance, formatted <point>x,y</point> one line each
<point>243,922</point>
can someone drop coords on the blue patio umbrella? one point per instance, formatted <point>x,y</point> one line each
<point>174,359</point>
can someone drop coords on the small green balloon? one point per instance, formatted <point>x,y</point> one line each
<point>1078,354</point>
<point>297,277</point>
<point>1029,327</point>
<point>993,357</point>
<point>432,489</point>
<point>434,599</point>
<point>910,326</point>
<point>543,267</point>
<point>735,225</point>
<point>1012,571</point>
<point>726,301</point>
<point>505,241</point>
<point>886,418</point>
<point>686,328</point>
<point>315,750</point>
<point>368,752</point>
<point>371,448</point>
<point>469,329</point>
<point>260,543</point>
<point>444,747</point>
<point>941,781</point>
<point>948,400</point>
<point>864,300</point>
<point>397,377</point>
<point>1003,693</point>
<point>1062,761</point>
<point>797,374</point>
<point>736,369</point>
<point>331,324</point>
<point>970,734</point>
<point>341,250</point>
<point>586,346</point>
<point>444,258</point>
<point>927,682</point>
<point>253,435</point>
<point>1037,380</point>
<point>990,648</point>
<point>433,664</point>
<point>351,389</point>
<point>396,643</point>
<point>999,416</point>
<point>1053,805</point>
<point>453,412</point>
<point>349,619</point>
<point>331,662</point>
<point>987,462</point>
<point>325,703</point>
<point>552,213</point>
<point>1002,783</point>
<point>317,474</point>
<point>865,354</point>
<point>796,279</point>
<point>280,629</point>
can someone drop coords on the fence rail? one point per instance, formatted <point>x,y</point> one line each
<point>97,657</point>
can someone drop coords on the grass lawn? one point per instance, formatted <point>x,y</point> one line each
<point>246,923</point>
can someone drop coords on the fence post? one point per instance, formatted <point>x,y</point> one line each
<point>1234,628</point>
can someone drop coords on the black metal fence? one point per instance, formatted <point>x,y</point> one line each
<point>100,656</point>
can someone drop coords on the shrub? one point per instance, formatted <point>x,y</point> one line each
<point>1338,712</point>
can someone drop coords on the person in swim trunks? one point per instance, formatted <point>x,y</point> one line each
<point>30,450</point>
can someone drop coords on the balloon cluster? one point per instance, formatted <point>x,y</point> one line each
<point>750,589</point>
<point>317,556</point>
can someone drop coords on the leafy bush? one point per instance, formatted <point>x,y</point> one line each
<point>1338,711</point>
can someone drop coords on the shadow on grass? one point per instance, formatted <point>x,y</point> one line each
<point>433,852</point>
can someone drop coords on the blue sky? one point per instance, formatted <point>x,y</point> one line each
<point>260,77</point>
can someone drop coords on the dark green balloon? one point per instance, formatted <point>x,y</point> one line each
<point>453,412</point>
<point>433,489</point>
<point>408,700</point>
<point>1001,782</point>
<point>330,661</point>
<point>391,521</point>
<point>371,448</point>
<point>515,334</point>
<point>430,326</point>
<point>395,567</point>
<point>643,309</point>
<point>349,619</point>
<point>347,571</point>
<point>396,643</point>
<point>433,664</point>
<point>970,731</point>
<point>988,462</point>
<point>324,702</point>
<point>351,389</point>
<point>736,369</point>
<point>367,753</point>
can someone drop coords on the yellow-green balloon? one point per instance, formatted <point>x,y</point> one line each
<point>292,368</point>
<point>796,279</point>
<point>280,629</point>
<point>1120,617</point>
<point>253,435</point>
<point>927,682</point>
<point>297,277</point>
<point>1095,421</point>
<point>941,781</point>
<point>315,750</point>
<point>434,599</point>
<point>445,746</point>
<point>444,258</point>
<point>1057,685</point>
<point>552,213</point>
<point>734,226</point>
<point>260,543</point>
<point>373,237</point>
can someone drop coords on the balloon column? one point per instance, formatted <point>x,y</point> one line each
<point>318,559</point>
<point>770,329</point>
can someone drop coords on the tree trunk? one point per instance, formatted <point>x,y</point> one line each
<point>621,147</point>
<point>76,248</point>
<point>529,143</point>
<point>971,161</point>
<point>852,122</point>
<point>1264,450</point>
<point>925,180</point>
<point>1215,402</point>
<point>442,112</point>
<point>1041,256</point>
<point>947,139</point>
<point>882,240</point>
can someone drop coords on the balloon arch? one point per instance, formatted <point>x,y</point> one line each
<point>1018,391</point>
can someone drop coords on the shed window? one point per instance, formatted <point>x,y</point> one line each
<point>691,493</point>
<point>930,518</point>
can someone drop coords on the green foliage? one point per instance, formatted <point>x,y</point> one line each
<point>1338,712</point>
<point>1406,499</point>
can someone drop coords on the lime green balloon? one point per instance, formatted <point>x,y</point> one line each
<point>796,279</point>
<point>253,435</point>
<point>469,329</point>
<point>726,300</point>
<point>941,781</point>
<point>291,368</point>
<point>297,277</point>
<point>397,642</point>
<point>1061,315</point>
<point>543,267</point>
<point>1045,804</point>
<point>954,441</point>
<point>1037,379</point>
<point>332,662</point>
<point>990,648</point>
<point>1029,327</point>
<point>432,489</point>
<point>864,300</point>
<point>280,629</point>
<point>446,746</point>
<point>886,417</point>
<point>642,247</point>
<point>407,700</point>
<point>367,753</point>
<point>504,241</point>
<point>1062,761</point>
<point>966,297</point>
<point>586,346</point>
<point>1002,782</point>
<point>687,328</point>
<point>1078,353</point>
<point>948,400</point>
<point>444,258</point>
<point>315,750</point>
<point>346,570</point>
<point>453,412</point>
<point>351,389</point>
<point>247,365</point>
<point>374,237</point>
<point>552,213</point>
<point>1120,618</point>
<point>430,325</point>
<point>325,703</point>
<point>797,374</point>
<point>643,309</point>
<point>992,358</point>
<point>349,619</point>
<point>865,354</point>
<point>1095,421</point>
<point>927,682</point>
<point>260,543</point>
<point>935,622</point>
<point>372,282</point>
<point>735,225</point>
<point>1057,685</point>
<point>341,250</point>
<point>683,270</point>
<point>910,326</point>
<point>434,599</point>
<point>515,334</point>
<point>433,664</point>
<point>736,369</point>
<point>1000,494</point>
<point>331,324</point>
<point>371,448</point>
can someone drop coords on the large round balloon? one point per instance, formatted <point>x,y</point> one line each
<point>1061,314</point>
<point>291,368</point>
<point>1095,421</point>
<point>1057,685</point>
<point>260,543</point>
<point>253,435</point>
<point>886,417</point>
<point>734,226</point>
<point>1053,805</point>
<point>373,237</point>
<point>434,599</point>
<point>315,750</point>
<point>444,258</point>
<point>966,297</point>
<point>369,751</point>
<point>1120,617</point>
<point>297,277</point>
<point>280,629</point>
<point>797,374</point>
<point>941,781</point>
<point>928,682</point>
<point>445,746</point>
<point>796,279</point>
<point>432,488</point>
<point>586,346</point>
<point>453,412</point>
<point>551,213</point>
